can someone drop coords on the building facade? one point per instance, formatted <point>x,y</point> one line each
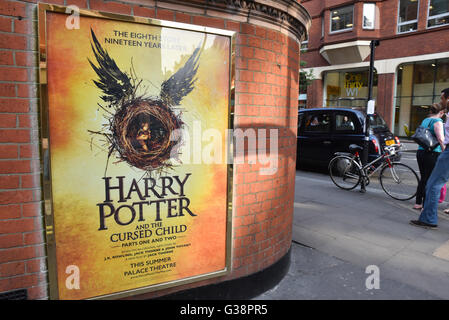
<point>411,60</point>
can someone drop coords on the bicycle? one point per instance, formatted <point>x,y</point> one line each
<point>398,180</point>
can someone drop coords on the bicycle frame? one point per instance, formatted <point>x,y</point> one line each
<point>383,157</point>
<point>392,181</point>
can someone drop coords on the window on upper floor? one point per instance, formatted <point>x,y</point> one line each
<point>438,13</point>
<point>305,43</point>
<point>408,15</point>
<point>342,18</point>
<point>369,15</point>
<point>322,27</point>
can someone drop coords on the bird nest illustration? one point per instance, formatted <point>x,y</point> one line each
<point>143,131</point>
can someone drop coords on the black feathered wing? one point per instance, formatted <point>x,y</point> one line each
<point>112,81</point>
<point>182,82</point>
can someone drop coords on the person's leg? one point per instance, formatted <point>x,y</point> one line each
<point>430,160</point>
<point>426,163</point>
<point>437,179</point>
<point>421,185</point>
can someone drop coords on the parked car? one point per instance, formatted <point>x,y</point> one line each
<point>324,131</point>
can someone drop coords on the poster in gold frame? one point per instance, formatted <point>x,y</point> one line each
<point>129,207</point>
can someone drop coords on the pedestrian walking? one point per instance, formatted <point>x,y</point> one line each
<point>427,159</point>
<point>439,176</point>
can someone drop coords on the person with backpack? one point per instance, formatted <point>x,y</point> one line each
<point>427,159</point>
<point>440,175</point>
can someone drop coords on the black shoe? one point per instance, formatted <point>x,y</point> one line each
<point>423,224</point>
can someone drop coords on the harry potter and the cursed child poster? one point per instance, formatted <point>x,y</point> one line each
<point>129,210</point>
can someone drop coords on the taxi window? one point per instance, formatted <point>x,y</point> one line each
<point>300,117</point>
<point>317,122</point>
<point>376,122</point>
<point>344,123</point>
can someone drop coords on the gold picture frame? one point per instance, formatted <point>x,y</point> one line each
<point>43,11</point>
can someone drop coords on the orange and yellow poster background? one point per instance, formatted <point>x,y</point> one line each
<point>78,159</point>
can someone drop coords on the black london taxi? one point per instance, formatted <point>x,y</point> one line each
<point>324,131</point>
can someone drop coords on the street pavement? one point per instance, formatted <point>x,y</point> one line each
<point>338,234</point>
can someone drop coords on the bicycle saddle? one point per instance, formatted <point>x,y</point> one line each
<point>355,148</point>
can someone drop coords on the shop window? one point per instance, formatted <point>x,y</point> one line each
<point>418,85</point>
<point>369,15</point>
<point>348,88</point>
<point>342,19</point>
<point>423,80</point>
<point>441,76</point>
<point>438,13</point>
<point>408,15</point>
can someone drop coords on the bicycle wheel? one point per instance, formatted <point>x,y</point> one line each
<point>399,181</point>
<point>344,172</point>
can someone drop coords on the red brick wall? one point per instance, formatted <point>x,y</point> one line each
<point>266,97</point>
<point>385,83</point>
<point>422,41</point>
<point>267,93</point>
<point>415,44</point>
<point>22,244</point>
<point>315,94</point>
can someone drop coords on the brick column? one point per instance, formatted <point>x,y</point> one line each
<point>266,97</point>
<point>385,95</point>
<point>315,94</point>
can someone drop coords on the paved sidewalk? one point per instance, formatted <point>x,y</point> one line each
<point>343,232</point>
<point>408,145</point>
<point>319,276</point>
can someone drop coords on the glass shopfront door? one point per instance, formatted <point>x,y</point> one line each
<point>419,84</point>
